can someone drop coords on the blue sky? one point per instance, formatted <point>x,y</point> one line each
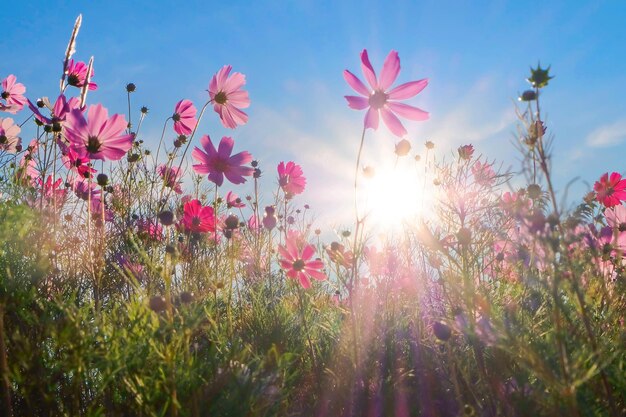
<point>476,55</point>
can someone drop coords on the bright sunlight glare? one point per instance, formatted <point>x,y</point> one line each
<point>394,196</point>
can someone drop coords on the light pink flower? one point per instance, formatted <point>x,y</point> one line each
<point>77,74</point>
<point>12,97</point>
<point>219,162</point>
<point>184,117</point>
<point>296,261</point>
<point>9,141</point>
<point>379,100</point>
<point>228,97</point>
<point>610,191</point>
<point>28,172</point>
<point>483,173</point>
<point>616,216</point>
<point>466,151</point>
<point>99,137</point>
<point>291,178</point>
<point>58,112</point>
<point>50,193</point>
<point>150,229</point>
<point>171,177</point>
<point>197,219</point>
<point>86,190</point>
<point>233,200</point>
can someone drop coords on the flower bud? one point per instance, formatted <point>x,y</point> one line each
<point>231,222</point>
<point>441,331</point>
<point>534,191</point>
<point>403,147</point>
<point>102,179</point>
<point>166,218</point>
<point>157,304</point>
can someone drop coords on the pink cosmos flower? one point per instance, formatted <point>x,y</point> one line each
<point>73,161</point>
<point>296,261</point>
<point>58,112</point>
<point>77,74</point>
<point>28,172</point>
<point>610,191</point>
<point>466,151</point>
<point>616,216</point>
<point>99,137</point>
<point>9,141</point>
<point>291,178</point>
<point>150,229</point>
<point>85,189</point>
<point>184,117</point>
<point>483,173</point>
<point>50,193</point>
<point>233,200</point>
<point>197,219</point>
<point>228,97</point>
<point>379,100</point>
<point>12,97</point>
<point>171,177</point>
<point>219,162</point>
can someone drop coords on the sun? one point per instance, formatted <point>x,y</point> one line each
<point>394,196</point>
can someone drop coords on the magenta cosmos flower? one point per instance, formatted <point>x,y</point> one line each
<point>77,74</point>
<point>9,141</point>
<point>171,177</point>
<point>59,111</point>
<point>379,100</point>
<point>219,162</point>
<point>228,97</point>
<point>12,97</point>
<point>184,117</point>
<point>291,178</point>
<point>610,191</point>
<point>197,219</point>
<point>297,263</point>
<point>99,137</point>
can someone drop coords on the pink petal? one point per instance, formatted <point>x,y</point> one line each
<point>408,90</point>
<point>368,71</point>
<point>318,275</point>
<point>308,252</point>
<point>371,119</point>
<point>391,69</point>
<point>237,115</point>
<point>393,123</point>
<point>356,84</point>
<point>225,147</point>
<point>304,280</point>
<point>240,158</point>
<point>357,103</point>
<point>207,144</point>
<point>234,82</point>
<point>239,99</point>
<point>216,177</point>
<point>408,112</point>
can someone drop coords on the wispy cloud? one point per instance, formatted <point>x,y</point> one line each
<point>608,135</point>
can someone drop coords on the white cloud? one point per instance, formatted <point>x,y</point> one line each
<point>608,135</point>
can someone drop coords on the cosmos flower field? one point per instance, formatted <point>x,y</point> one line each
<point>138,277</point>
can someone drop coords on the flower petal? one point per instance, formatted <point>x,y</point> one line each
<point>371,119</point>
<point>393,123</point>
<point>408,112</point>
<point>368,71</point>
<point>408,90</point>
<point>357,103</point>
<point>391,69</point>
<point>355,83</point>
